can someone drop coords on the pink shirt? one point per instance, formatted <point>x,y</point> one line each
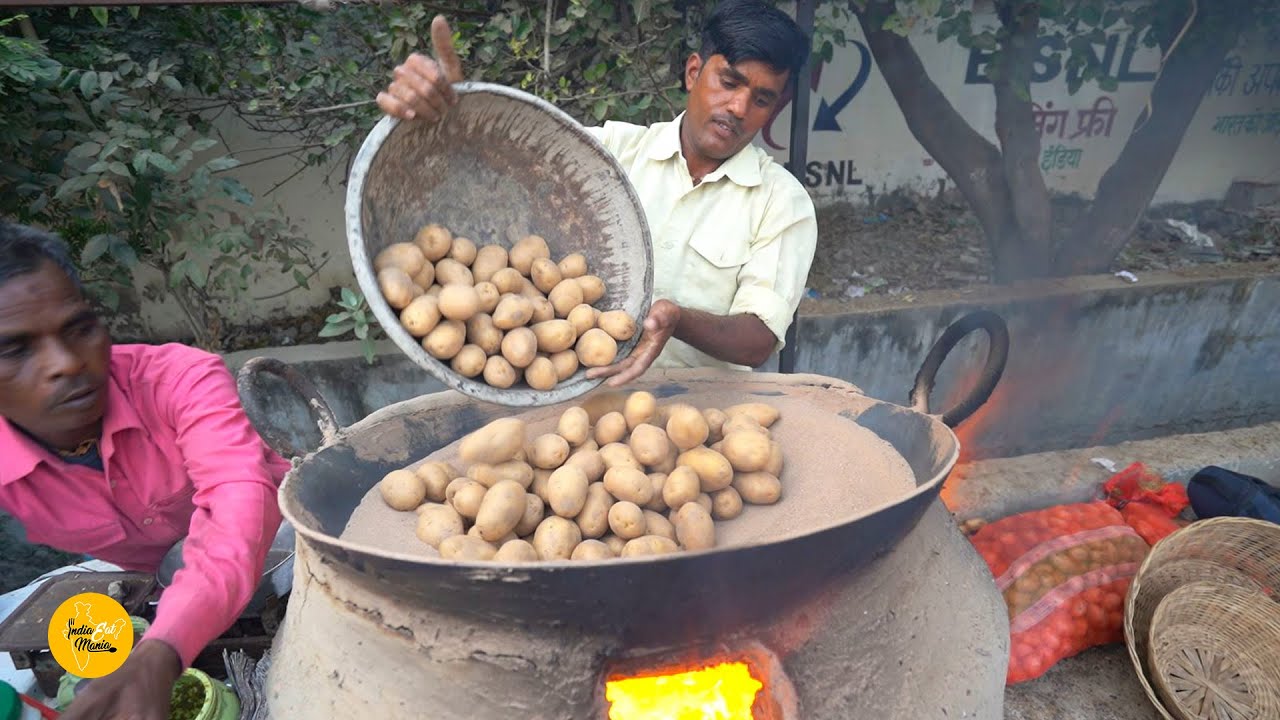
<point>180,459</point>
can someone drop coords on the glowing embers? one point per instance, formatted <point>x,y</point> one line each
<point>725,691</point>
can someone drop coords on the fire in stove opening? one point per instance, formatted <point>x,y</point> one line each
<point>726,691</point>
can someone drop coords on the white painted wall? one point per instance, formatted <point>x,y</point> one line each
<point>859,140</point>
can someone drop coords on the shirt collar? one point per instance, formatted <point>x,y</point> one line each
<point>743,168</point>
<point>21,454</point>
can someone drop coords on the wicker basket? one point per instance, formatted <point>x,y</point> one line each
<point>1213,653</point>
<point>1239,552</point>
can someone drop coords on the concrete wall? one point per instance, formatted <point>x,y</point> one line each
<point>1093,361</point>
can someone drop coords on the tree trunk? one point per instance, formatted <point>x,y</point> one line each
<point>1126,190</point>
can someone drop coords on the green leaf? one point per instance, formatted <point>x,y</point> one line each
<point>336,329</point>
<point>362,331</point>
<point>599,109</point>
<point>349,298</point>
<point>337,318</point>
<point>88,83</point>
<point>236,190</point>
<point>203,144</point>
<point>123,253</point>
<point>99,14</point>
<point>119,168</point>
<point>94,249</point>
<point>368,347</point>
<point>161,162</point>
<point>133,11</point>
<point>172,83</point>
<point>301,279</point>
<point>109,298</point>
<point>140,161</point>
<point>79,183</point>
<point>222,163</point>
<point>84,150</point>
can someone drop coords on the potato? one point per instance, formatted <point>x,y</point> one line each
<point>467,496</point>
<point>520,347</point>
<point>420,316</point>
<point>618,324</point>
<point>488,295</point>
<point>582,317</point>
<point>713,469</point>
<point>593,519</point>
<point>528,249</point>
<point>589,446</point>
<point>470,360</point>
<point>695,529</point>
<point>718,447</point>
<point>499,373</point>
<point>482,333</point>
<point>555,538</point>
<point>501,509</point>
<point>611,428</point>
<point>454,486</point>
<point>467,548</point>
<point>509,281</point>
<point>445,340</point>
<point>435,477</point>
<point>565,297</point>
<point>402,490</point>
<point>629,484</point>
<point>726,504</point>
<point>668,463</point>
<point>513,311</point>
<point>619,455</point>
<point>544,274</point>
<point>746,451</point>
<point>574,426</point>
<point>715,423</point>
<point>602,402</point>
<point>657,524</point>
<point>541,374</point>
<point>591,550</point>
<point>405,256</point>
<point>489,260</point>
<point>592,288</point>
<point>649,545</point>
<point>649,444</point>
<point>533,514</point>
<point>758,488</point>
<point>554,335</point>
<point>567,491</point>
<point>762,413</point>
<point>614,543</point>
<point>682,486</point>
<point>534,294</point>
<point>564,364</point>
<point>541,480</point>
<point>496,442</point>
<point>490,475</point>
<point>437,522</point>
<point>639,408</point>
<point>542,310</point>
<point>742,422</point>
<point>656,502</point>
<point>434,290</point>
<point>452,272</point>
<point>397,288</point>
<point>426,277</point>
<point>686,427</point>
<point>573,266</point>
<point>596,348</point>
<point>550,451</point>
<point>590,462</point>
<point>627,520</point>
<point>774,466</point>
<point>704,499</point>
<point>516,551</point>
<point>434,241</point>
<point>459,302</point>
<point>463,250</point>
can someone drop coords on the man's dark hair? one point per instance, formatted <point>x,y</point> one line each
<point>755,30</point>
<point>23,248</point>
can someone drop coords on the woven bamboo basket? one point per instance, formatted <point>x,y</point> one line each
<point>1227,551</point>
<point>1213,653</point>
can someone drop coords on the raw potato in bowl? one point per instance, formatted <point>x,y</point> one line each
<point>623,485</point>
<point>531,320</point>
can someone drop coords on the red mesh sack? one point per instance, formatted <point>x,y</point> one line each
<point>1064,572</point>
<point>1148,503</point>
<point>1151,522</point>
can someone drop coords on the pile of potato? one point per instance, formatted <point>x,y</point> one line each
<point>501,315</point>
<point>643,479</point>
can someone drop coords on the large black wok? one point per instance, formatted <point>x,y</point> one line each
<point>670,596</point>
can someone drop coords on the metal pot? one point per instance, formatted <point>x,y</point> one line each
<point>750,579</point>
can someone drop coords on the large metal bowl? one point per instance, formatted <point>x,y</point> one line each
<point>501,165</point>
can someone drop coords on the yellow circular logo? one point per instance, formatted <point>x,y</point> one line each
<point>90,635</point>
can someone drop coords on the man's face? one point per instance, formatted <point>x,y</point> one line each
<point>54,355</point>
<point>728,104</point>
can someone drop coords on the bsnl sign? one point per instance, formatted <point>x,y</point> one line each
<point>1049,61</point>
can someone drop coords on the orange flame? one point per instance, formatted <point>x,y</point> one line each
<point>726,691</point>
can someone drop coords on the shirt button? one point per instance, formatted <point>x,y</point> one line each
<point>147,521</point>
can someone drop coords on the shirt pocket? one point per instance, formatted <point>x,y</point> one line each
<point>723,249</point>
<point>71,537</point>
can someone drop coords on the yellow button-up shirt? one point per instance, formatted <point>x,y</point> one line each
<point>741,241</point>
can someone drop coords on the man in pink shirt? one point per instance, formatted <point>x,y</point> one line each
<point>119,452</point>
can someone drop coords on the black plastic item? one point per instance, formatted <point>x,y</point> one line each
<point>1218,492</point>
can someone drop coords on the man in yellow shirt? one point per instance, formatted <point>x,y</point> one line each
<point>733,232</point>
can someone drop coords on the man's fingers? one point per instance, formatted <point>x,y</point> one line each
<point>442,41</point>
<point>608,370</point>
<point>422,83</point>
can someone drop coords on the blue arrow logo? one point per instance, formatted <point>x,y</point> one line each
<point>826,118</point>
